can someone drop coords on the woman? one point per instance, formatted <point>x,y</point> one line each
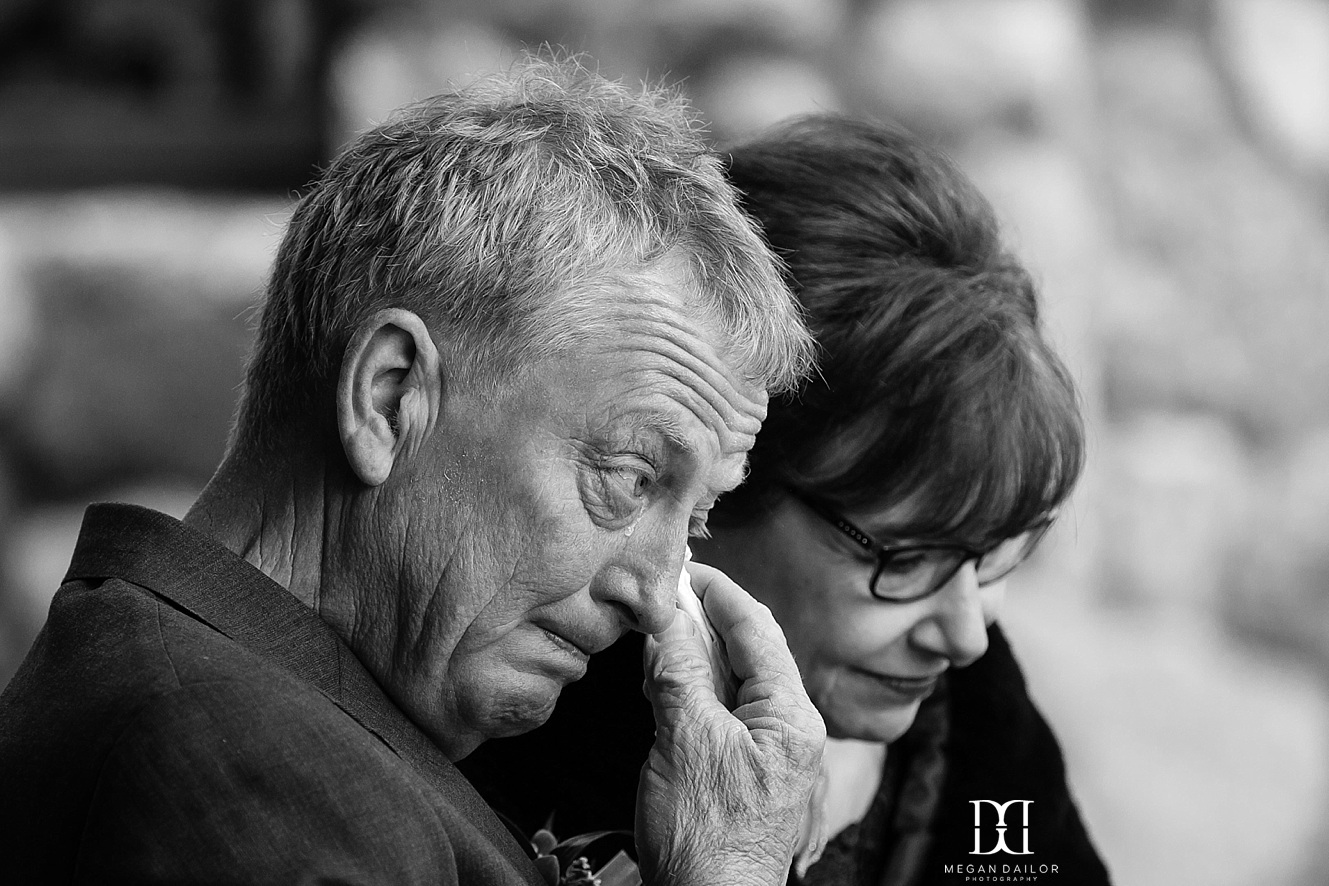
<point>886,504</point>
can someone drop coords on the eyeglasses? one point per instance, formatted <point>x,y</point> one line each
<point>908,572</point>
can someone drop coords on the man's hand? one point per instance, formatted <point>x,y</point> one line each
<point>722,794</point>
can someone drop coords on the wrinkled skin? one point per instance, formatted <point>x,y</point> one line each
<point>495,544</point>
<point>723,794</point>
<point>474,549</point>
<point>531,532</point>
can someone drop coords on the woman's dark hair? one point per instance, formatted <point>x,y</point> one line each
<point>936,386</point>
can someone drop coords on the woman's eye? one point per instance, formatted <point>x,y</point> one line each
<point>902,562</point>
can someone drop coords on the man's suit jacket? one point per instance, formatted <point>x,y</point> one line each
<point>182,718</point>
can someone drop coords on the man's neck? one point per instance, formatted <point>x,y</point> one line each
<point>272,512</point>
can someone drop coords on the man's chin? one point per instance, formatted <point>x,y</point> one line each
<point>520,713</point>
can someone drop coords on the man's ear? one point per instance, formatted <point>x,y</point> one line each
<point>389,393</point>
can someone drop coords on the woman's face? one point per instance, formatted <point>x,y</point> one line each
<point>867,664</point>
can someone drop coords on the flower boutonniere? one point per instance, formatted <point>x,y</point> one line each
<point>600,858</point>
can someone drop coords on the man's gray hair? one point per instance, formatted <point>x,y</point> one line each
<point>496,213</point>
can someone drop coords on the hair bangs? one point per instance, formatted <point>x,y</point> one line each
<point>982,458</point>
<point>937,399</point>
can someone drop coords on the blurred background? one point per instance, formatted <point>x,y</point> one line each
<point>1162,165</point>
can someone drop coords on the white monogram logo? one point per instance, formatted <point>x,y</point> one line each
<point>1001,826</point>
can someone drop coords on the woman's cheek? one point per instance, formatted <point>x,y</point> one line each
<point>992,598</point>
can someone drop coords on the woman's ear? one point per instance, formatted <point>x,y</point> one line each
<point>389,393</point>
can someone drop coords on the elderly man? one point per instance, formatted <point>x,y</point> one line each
<point>515,344</point>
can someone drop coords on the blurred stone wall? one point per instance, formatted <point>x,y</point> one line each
<point>1163,167</point>
<point>124,319</point>
<point>200,93</point>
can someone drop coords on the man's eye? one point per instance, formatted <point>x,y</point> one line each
<point>625,485</point>
<point>633,481</point>
<point>615,489</point>
<point>641,483</point>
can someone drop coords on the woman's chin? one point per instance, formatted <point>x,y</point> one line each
<point>869,725</point>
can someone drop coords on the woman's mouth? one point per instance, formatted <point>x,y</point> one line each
<point>911,688</point>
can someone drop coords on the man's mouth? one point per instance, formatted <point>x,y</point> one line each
<point>567,645</point>
<point>585,639</point>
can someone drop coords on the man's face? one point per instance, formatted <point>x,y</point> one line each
<point>540,528</point>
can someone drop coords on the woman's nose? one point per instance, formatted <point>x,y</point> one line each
<point>956,626</point>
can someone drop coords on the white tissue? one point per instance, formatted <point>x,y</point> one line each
<point>813,834</point>
<point>726,687</point>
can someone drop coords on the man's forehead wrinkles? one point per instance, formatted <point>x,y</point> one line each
<point>734,431</point>
<point>689,360</point>
<point>672,324</point>
<point>658,422</point>
<point>644,302</point>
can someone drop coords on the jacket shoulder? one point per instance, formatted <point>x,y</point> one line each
<point>264,784</point>
<point>145,746</point>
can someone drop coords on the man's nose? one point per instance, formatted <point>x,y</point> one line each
<point>643,583</point>
<point>956,626</point>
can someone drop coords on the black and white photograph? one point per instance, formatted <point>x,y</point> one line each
<point>664,442</point>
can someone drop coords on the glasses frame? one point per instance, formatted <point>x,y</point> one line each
<point>880,551</point>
